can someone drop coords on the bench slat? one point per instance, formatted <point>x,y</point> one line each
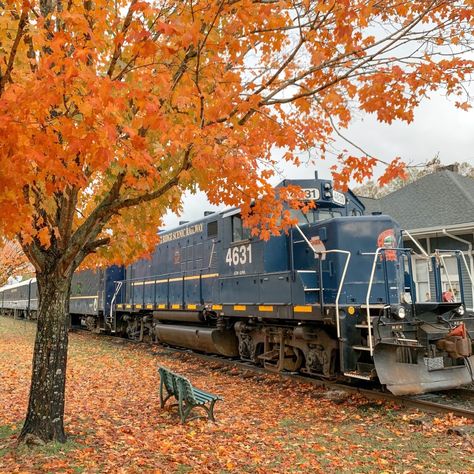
<point>202,392</point>
<point>200,398</point>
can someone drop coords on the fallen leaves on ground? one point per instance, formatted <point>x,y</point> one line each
<point>265,424</point>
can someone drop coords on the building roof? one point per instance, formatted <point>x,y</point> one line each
<point>440,199</point>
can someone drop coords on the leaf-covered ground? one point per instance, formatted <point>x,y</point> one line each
<point>265,424</point>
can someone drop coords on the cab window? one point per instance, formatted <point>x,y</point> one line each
<point>239,232</point>
<point>303,218</point>
<point>328,214</point>
<point>211,229</point>
<point>313,216</point>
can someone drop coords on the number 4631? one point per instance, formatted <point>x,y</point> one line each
<point>239,255</point>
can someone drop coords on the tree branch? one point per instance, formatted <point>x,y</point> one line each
<point>118,46</point>
<point>160,191</point>
<point>14,49</point>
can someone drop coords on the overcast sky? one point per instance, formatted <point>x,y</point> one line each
<point>439,128</point>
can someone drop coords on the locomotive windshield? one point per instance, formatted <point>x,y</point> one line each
<point>314,215</point>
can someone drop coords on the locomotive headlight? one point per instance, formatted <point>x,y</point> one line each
<point>401,312</point>
<point>460,310</point>
<point>327,195</point>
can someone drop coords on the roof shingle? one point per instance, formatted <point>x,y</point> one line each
<point>439,199</point>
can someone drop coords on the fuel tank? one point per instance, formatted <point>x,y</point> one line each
<point>181,316</point>
<point>210,340</point>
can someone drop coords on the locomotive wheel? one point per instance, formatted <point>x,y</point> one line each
<point>133,329</point>
<point>294,361</point>
<point>91,324</point>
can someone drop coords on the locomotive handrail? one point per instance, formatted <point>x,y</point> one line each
<point>305,238</point>
<point>369,290</point>
<point>459,252</point>
<point>212,254</point>
<point>343,277</point>
<point>117,289</point>
<point>339,290</point>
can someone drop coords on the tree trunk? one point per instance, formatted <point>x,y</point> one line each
<point>45,416</point>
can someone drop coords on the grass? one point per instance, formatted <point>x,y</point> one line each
<point>6,431</point>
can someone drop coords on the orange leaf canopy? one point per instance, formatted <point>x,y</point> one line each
<point>110,111</point>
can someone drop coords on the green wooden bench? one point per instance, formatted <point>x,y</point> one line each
<point>188,397</point>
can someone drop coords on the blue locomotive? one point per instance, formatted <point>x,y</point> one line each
<point>334,297</point>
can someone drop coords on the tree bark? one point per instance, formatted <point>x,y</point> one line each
<point>45,416</point>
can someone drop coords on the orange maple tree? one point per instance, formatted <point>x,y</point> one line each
<point>13,262</point>
<point>109,111</point>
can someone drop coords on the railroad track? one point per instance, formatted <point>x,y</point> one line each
<point>459,402</point>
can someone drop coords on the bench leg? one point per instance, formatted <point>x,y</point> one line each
<point>210,411</point>
<point>184,410</point>
<point>162,402</point>
<point>164,399</point>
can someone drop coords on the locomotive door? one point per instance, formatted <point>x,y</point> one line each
<point>240,262</point>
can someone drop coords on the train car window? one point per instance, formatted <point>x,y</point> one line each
<point>239,232</point>
<point>212,229</point>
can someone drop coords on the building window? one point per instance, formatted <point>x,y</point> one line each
<point>450,277</point>
<point>422,280</point>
